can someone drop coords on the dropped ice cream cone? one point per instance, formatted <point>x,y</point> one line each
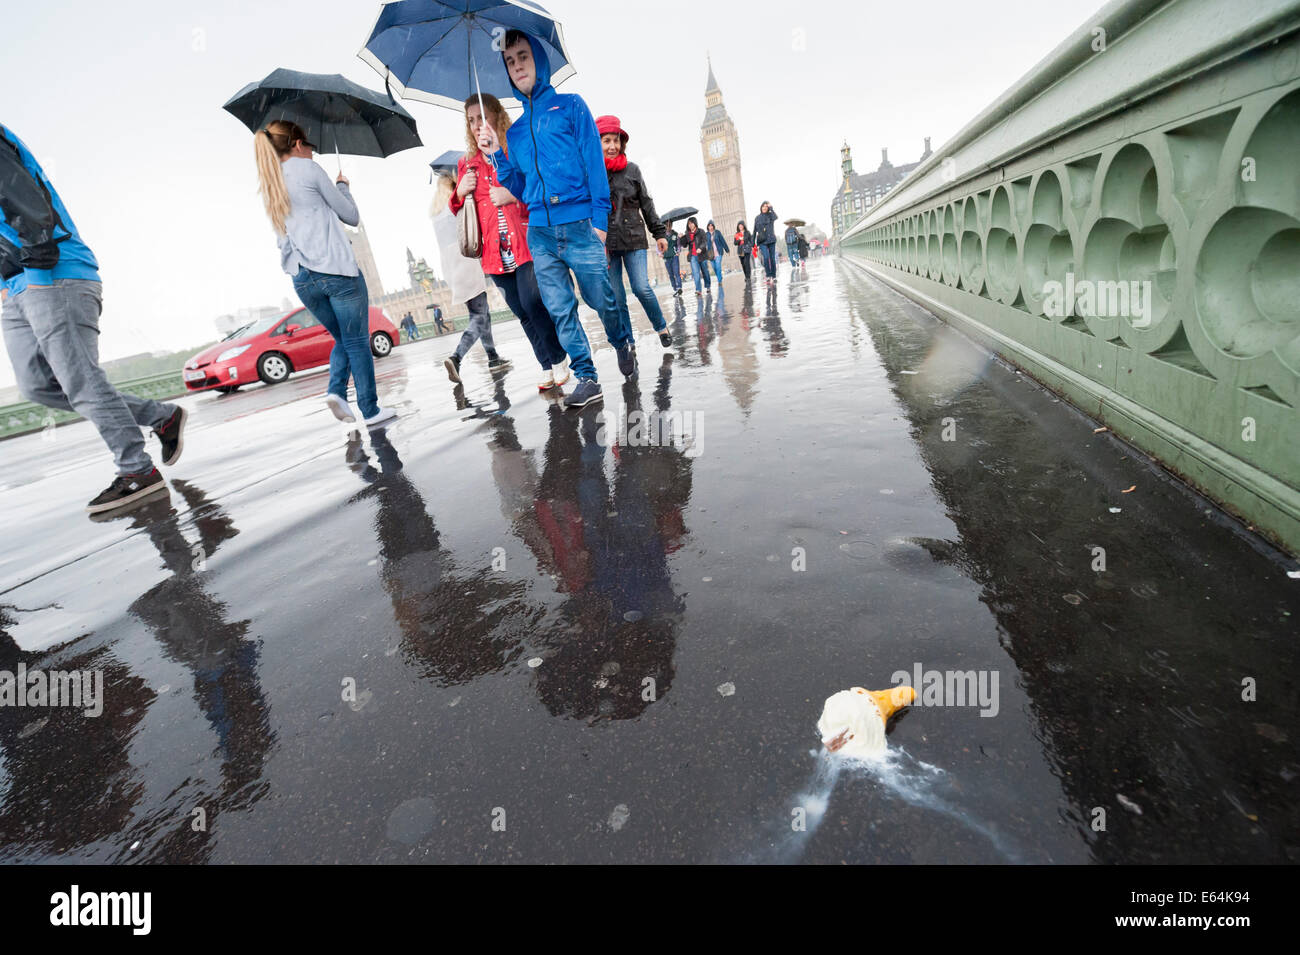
<point>853,721</point>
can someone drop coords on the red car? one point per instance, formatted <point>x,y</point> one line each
<point>272,349</point>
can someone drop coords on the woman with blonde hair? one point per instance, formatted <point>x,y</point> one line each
<point>305,208</point>
<point>468,285</point>
<point>503,222</point>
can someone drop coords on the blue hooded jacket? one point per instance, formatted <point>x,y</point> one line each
<point>38,242</point>
<point>556,166</point>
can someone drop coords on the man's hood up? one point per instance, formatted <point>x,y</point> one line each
<point>543,61</point>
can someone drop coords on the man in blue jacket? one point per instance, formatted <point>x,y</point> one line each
<point>556,167</point>
<point>52,299</point>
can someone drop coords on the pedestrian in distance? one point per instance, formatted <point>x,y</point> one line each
<point>632,213</point>
<point>720,248</point>
<point>556,166</point>
<point>439,325</point>
<point>671,263</point>
<point>744,241</point>
<point>765,238</point>
<point>52,298</point>
<point>468,284</point>
<point>699,250</point>
<point>792,247</point>
<point>803,251</point>
<point>307,211</point>
<point>503,223</point>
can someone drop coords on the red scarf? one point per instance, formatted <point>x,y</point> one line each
<point>617,163</point>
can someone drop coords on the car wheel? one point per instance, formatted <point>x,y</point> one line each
<point>227,389</point>
<point>380,344</point>
<point>273,368</point>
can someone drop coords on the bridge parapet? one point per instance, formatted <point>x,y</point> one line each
<point>1124,224</point>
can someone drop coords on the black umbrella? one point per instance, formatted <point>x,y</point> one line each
<point>338,115</point>
<point>681,212</point>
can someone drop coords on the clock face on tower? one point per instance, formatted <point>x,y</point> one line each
<point>717,147</point>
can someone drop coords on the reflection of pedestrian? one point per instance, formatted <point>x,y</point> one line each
<point>720,248</point>
<point>52,298</point>
<point>438,323</point>
<point>765,238</point>
<point>467,284</point>
<point>632,212</point>
<point>503,223</point>
<point>608,543</point>
<point>670,262</point>
<point>306,209</point>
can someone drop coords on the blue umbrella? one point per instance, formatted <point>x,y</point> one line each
<point>447,162</point>
<point>444,51</point>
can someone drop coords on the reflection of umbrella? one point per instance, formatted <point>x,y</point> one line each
<point>338,115</point>
<point>681,212</point>
<point>442,51</point>
<point>797,223</point>
<point>447,162</point>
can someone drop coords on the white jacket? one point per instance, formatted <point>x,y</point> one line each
<point>465,275</point>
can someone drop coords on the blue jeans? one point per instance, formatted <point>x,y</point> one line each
<point>697,270</point>
<point>480,326</point>
<point>793,252</point>
<point>574,245</point>
<point>717,268</point>
<point>768,252</point>
<point>525,300</point>
<point>638,276</point>
<point>674,273</point>
<point>342,305</point>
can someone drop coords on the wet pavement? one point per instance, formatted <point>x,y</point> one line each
<point>498,631</point>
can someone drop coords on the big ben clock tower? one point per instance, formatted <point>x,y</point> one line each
<point>721,149</point>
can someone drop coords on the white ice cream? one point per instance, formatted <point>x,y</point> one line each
<point>852,724</point>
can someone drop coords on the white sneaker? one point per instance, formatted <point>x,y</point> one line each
<point>561,371</point>
<point>547,382</point>
<point>342,410</point>
<point>380,416</point>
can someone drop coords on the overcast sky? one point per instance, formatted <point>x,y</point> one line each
<point>121,103</point>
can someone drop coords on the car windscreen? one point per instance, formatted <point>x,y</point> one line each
<point>254,328</point>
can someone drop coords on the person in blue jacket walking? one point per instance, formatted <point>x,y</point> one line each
<point>792,247</point>
<point>52,299</point>
<point>720,249</point>
<point>557,168</point>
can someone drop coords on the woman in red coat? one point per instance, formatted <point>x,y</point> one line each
<point>504,224</point>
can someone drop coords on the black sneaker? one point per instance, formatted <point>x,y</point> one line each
<point>171,435</point>
<point>125,489</point>
<point>666,338</point>
<point>452,364</point>
<point>497,363</point>
<point>588,390</point>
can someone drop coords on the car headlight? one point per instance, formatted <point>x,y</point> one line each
<point>230,353</point>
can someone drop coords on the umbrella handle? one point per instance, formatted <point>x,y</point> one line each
<point>482,113</point>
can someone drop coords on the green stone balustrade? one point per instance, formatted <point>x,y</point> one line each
<point>1158,145</point>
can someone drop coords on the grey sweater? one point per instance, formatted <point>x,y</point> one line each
<point>314,236</point>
